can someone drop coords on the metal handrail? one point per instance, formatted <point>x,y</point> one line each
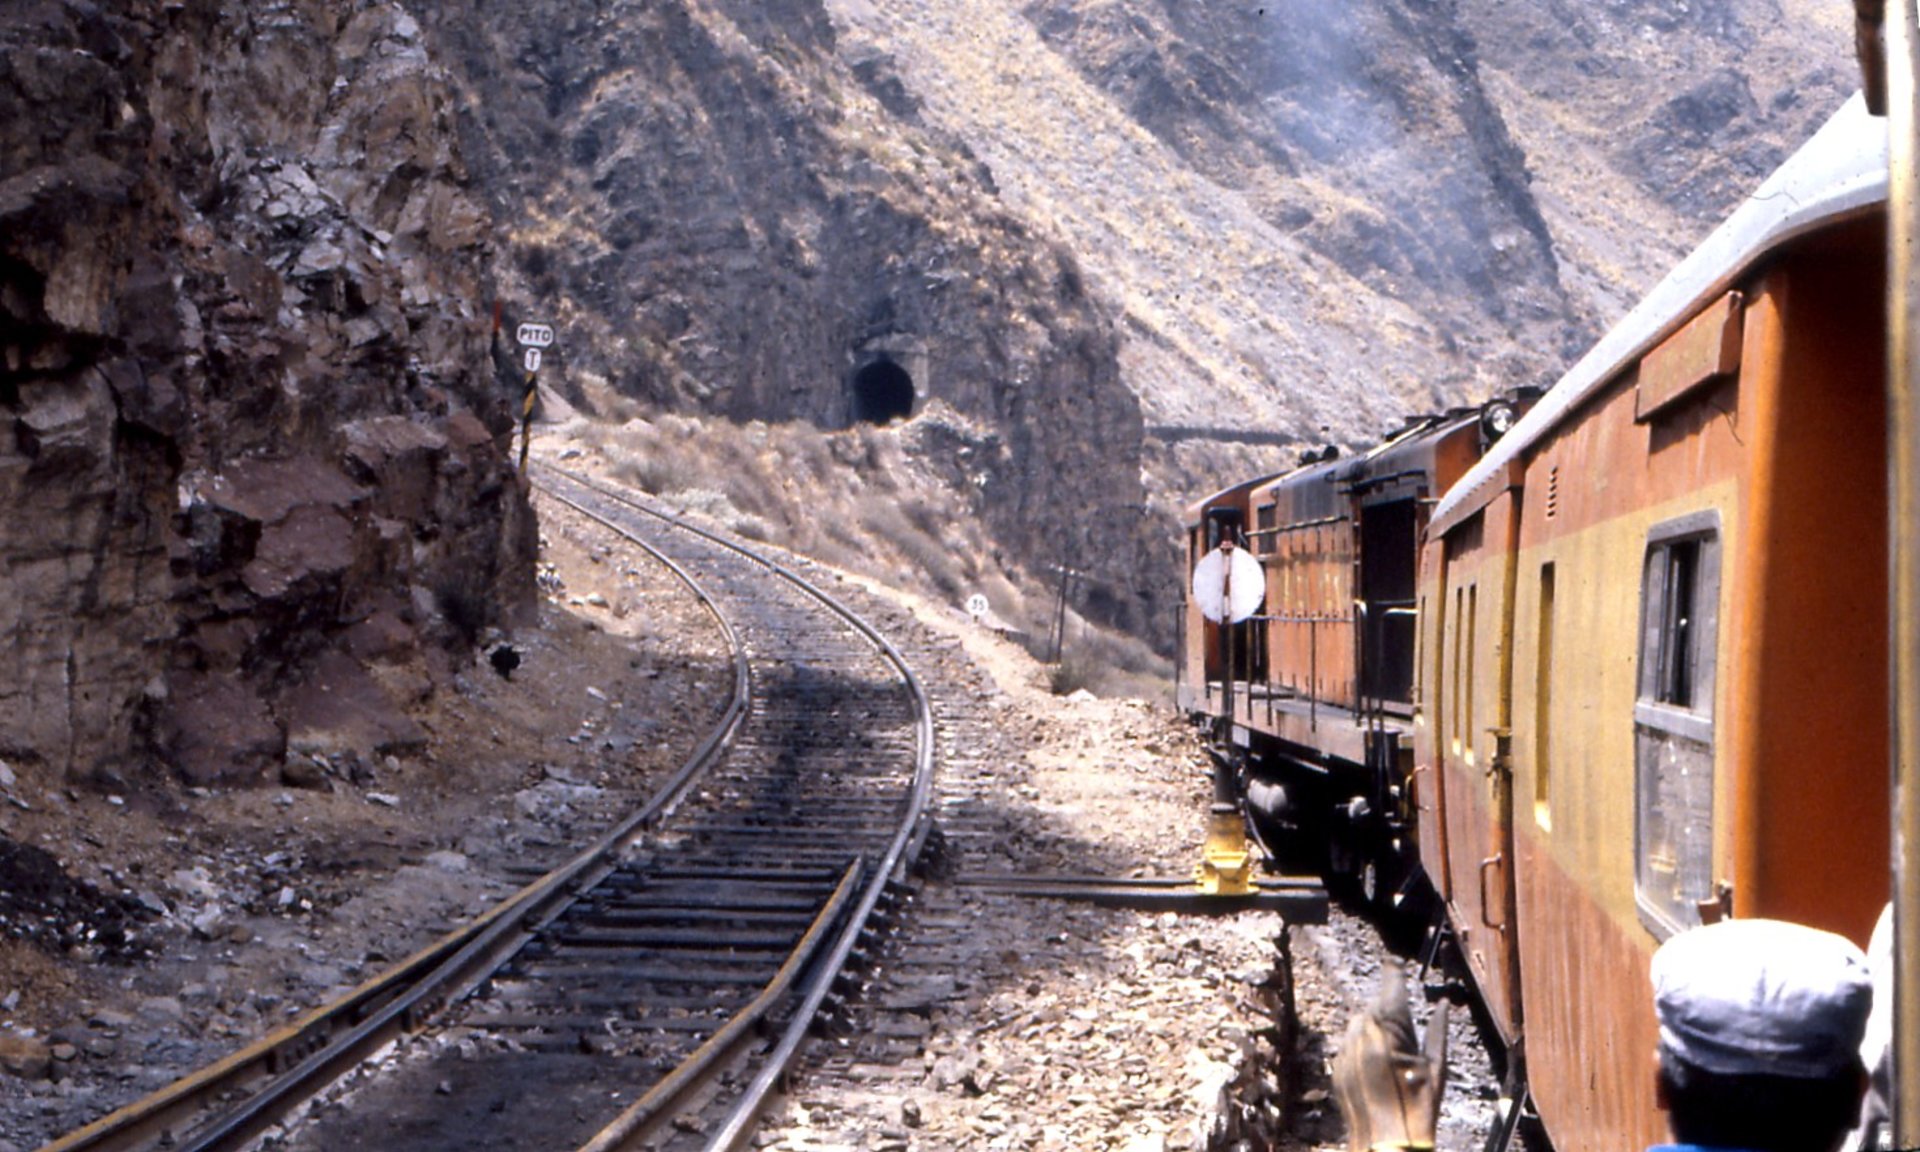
<point>1902,72</point>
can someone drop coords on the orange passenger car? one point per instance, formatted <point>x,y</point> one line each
<point>1651,685</point>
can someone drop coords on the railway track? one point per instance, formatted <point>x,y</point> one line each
<point>651,992</point>
<point>995,1019</point>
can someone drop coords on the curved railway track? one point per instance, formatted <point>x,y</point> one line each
<point>652,991</point>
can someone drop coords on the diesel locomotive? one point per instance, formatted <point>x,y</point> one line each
<point>1595,665</point>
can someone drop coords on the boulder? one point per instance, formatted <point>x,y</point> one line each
<point>219,732</point>
<point>340,709</point>
<point>23,1056</point>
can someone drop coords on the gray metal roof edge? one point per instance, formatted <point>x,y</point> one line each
<point>1836,174</point>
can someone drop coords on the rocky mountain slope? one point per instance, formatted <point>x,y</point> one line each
<point>1138,247</point>
<point>726,209</point>
<point>1316,218</point>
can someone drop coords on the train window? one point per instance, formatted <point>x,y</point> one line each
<point>1673,723</point>
<point>1459,618</point>
<point>1543,705</point>
<point>1223,523</point>
<point>1673,657</point>
<point>1419,655</point>
<point>1473,632</point>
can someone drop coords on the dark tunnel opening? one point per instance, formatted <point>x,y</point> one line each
<point>882,393</point>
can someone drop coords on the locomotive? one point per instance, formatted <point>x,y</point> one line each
<point>1593,666</point>
<point>1316,691</point>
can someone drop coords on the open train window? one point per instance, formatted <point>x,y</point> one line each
<point>1225,522</point>
<point>1673,723</point>
<point>1543,705</point>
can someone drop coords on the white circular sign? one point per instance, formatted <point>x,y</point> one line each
<point>1228,589</point>
<point>533,359</point>
<point>976,605</point>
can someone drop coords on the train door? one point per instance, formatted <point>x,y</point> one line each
<point>1475,768</point>
<point>1807,710</point>
<point>1429,719</point>
<point>1387,556</point>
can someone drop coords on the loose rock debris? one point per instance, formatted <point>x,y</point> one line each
<point>40,904</point>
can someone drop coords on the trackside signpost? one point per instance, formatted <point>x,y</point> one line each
<point>533,339</point>
<point>1228,587</point>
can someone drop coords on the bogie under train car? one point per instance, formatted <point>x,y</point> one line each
<point>1649,646</point>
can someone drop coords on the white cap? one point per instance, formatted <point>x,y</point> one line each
<point>1762,997</point>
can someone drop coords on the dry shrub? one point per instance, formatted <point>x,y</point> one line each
<point>749,527</point>
<point>1008,599</point>
<point>660,475</point>
<point>1103,662</point>
<point>1070,676</point>
<point>708,503</point>
<point>862,500</point>
<point>639,454</point>
<point>924,553</point>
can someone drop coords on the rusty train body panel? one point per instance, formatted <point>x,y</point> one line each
<point>1645,647</point>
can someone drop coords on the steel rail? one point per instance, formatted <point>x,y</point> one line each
<point>1300,900</point>
<point>891,868</point>
<point>905,847</point>
<point>296,1061</point>
<point>673,1092</point>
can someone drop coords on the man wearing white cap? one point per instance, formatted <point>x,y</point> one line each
<point>1760,1027</point>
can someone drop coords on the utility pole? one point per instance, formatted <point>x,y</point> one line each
<point>1058,634</point>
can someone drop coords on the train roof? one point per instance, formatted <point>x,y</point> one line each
<point>1238,488</point>
<point>1840,173</point>
<point>1414,435</point>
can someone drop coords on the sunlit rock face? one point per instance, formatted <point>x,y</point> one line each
<point>249,406</point>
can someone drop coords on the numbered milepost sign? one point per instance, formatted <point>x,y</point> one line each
<point>1228,590</point>
<point>976,605</point>
<point>533,359</point>
<point>534,335</point>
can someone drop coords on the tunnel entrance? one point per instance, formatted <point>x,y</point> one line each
<point>882,393</point>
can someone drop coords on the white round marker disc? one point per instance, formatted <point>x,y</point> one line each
<point>1228,591</point>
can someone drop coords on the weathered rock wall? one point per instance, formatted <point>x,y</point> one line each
<point>254,457</point>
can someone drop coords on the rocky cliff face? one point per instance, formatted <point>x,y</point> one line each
<point>1400,205</point>
<point>254,457</point>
